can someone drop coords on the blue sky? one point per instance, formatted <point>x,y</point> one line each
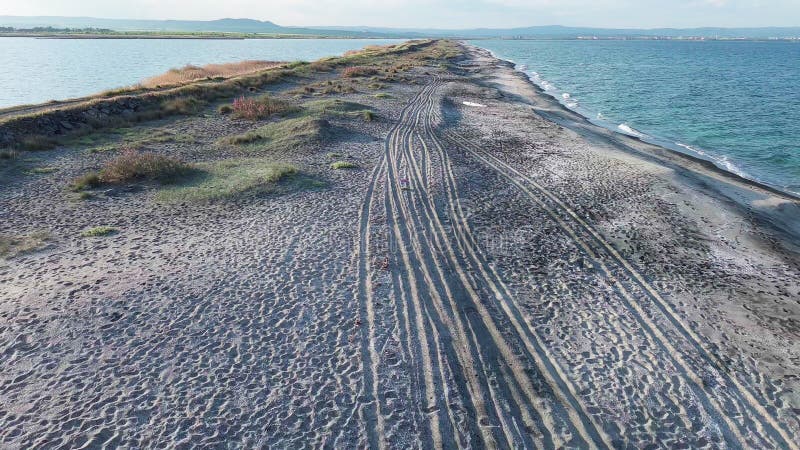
<point>437,13</point>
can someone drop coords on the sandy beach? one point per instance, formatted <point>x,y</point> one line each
<point>455,261</point>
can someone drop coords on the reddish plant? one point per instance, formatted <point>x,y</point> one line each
<point>249,108</point>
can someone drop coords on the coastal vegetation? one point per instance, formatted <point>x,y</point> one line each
<point>228,179</point>
<point>289,134</point>
<point>191,73</point>
<point>344,165</point>
<point>255,108</point>
<point>131,166</point>
<point>99,231</point>
<point>46,129</point>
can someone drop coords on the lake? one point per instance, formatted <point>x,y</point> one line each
<point>39,70</point>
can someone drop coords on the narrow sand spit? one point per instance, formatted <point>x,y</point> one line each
<point>503,276</point>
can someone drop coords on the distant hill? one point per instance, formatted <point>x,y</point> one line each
<point>562,32</point>
<point>221,26</point>
<point>267,27</point>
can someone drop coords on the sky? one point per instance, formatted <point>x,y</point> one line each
<point>436,13</point>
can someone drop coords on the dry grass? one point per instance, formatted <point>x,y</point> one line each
<point>131,166</point>
<point>190,73</point>
<point>359,71</point>
<point>260,107</point>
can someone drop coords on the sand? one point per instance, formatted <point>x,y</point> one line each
<point>498,276</point>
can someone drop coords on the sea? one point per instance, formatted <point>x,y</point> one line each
<point>734,103</point>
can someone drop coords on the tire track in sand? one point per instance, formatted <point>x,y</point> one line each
<point>493,339</point>
<point>765,422</point>
<point>470,256</point>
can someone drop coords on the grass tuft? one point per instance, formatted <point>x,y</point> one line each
<point>338,165</point>
<point>43,170</point>
<point>87,181</point>
<point>99,231</point>
<point>132,165</point>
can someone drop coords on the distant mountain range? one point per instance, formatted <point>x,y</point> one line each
<point>266,27</point>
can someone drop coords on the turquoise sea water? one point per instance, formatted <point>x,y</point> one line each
<point>736,104</point>
<point>39,70</point>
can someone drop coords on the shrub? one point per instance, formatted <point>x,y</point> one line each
<point>359,71</point>
<point>368,116</point>
<point>225,109</point>
<point>343,165</point>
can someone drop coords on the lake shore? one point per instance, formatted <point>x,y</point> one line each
<point>415,247</point>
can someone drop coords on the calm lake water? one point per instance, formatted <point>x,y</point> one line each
<point>39,70</point>
<point>734,103</point>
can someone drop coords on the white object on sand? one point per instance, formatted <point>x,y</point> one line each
<point>477,105</point>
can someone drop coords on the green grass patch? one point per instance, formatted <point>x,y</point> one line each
<point>37,143</point>
<point>383,95</point>
<point>11,246</point>
<point>289,134</point>
<point>87,181</point>
<point>334,107</point>
<point>228,179</point>
<point>339,165</point>
<point>42,170</point>
<point>99,231</point>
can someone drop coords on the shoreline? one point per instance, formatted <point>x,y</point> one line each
<point>677,148</point>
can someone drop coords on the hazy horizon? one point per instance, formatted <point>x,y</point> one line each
<point>438,14</point>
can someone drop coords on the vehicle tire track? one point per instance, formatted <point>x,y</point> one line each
<point>769,427</point>
<point>497,340</point>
